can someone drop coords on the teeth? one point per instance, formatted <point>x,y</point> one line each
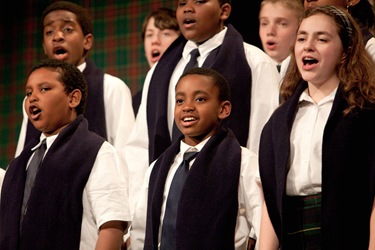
<point>35,111</point>
<point>187,119</point>
<point>155,53</point>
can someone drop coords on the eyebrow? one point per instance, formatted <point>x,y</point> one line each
<point>302,32</point>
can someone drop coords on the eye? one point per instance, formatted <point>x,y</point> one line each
<point>44,89</point>
<point>200,99</point>
<point>179,101</point>
<point>68,29</point>
<point>181,3</point>
<point>322,40</point>
<point>28,93</point>
<point>48,33</point>
<point>283,24</point>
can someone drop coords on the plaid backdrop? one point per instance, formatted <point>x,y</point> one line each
<point>118,48</point>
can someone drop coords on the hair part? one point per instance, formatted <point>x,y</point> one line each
<point>70,77</point>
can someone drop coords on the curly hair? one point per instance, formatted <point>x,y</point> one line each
<point>356,68</point>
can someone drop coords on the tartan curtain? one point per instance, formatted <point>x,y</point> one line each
<point>118,49</point>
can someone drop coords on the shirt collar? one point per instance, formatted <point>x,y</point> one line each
<point>49,140</point>
<point>185,147</point>
<point>205,47</point>
<point>306,97</point>
<point>82,67</point>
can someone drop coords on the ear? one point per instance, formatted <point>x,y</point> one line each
<point>225,11</point>
<point>88,42</point>
<point>226,108</point>
<point>75,98</point>
<point>351,3</point>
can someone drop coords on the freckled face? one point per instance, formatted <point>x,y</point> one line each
<point>47,104</point>
<point>197,108</point>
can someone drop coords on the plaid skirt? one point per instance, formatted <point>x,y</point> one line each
<point>302,220</point>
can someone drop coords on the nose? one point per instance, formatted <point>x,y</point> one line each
<point>32,98</point>
<point>271,31</point>
<point>188,106</point>
<point>308,45</point>
<point>58,36</point>
<point>155,39</point>
<point>188,7</point>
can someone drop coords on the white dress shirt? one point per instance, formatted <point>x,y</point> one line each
<point>306,143</point>
<point>250,198</point>
<point>370,47</point>
<point>265,98</point>
<point>118,110</point>
<point>105,196</point>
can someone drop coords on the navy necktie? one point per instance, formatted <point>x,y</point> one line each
<point>168,236</point>
<point>31,173</point>
<point>193,63</point>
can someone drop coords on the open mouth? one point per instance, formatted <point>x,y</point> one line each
<point>155,53</point>
<point>189,21</point>
<point>34,110</point>
<point>59,51</point>
<point>309,61</point>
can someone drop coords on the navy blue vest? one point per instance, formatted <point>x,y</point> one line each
<point>54,216</point>
<point>208,206</point>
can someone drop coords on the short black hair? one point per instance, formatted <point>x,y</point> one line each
<point>70,76</point>
<point>217,78</point>
<point>83,16</point>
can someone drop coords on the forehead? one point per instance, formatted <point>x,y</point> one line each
<point>277,10</point>
<point>194,81</point>
<point>59,16</point>
<point>44,74</point>
<point>318,23</point>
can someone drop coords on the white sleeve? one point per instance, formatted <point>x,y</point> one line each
<point>264,92</point>
<point>118,110</point>
<point>107,187</point>
<point>138,226</point>
<point>250,197</point>
<point>136,148</point>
